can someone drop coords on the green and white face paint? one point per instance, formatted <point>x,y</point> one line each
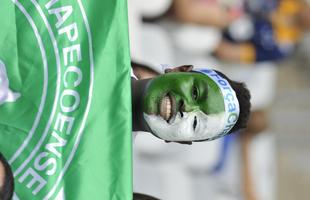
<point>190,106</point>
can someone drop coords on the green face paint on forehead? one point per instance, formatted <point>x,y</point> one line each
<point>189,91</point>
<point>191,106</point>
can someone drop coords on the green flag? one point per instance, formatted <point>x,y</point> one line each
<point>65,105</point>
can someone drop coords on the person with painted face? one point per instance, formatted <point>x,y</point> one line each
<point>186,105</point>
<point>6,180</point>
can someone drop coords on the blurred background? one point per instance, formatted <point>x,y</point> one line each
<point>264,43</point>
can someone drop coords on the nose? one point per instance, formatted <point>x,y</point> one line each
<point>185,106</point>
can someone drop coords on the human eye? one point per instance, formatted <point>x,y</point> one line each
<point>195,93</point>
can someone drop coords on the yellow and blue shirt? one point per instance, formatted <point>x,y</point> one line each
<point>274,36</point>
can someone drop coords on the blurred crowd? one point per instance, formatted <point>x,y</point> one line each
<point>247,40</point>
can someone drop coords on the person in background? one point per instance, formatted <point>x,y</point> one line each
<point>6,180</point>
<point>217,13</point>
<point>278,26</point>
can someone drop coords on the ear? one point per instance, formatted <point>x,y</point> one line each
<point>183,68</point>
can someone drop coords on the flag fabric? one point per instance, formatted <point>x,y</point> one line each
<point>65,99</point>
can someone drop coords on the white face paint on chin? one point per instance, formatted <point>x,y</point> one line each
<point>182,129</point>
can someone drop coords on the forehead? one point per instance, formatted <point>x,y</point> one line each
<point>185,77</point>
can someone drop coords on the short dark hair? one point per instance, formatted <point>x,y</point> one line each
<point>6,192</point>
<point>244,97</point>
<point>139,196</point>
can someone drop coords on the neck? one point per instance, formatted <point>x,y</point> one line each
<point>138,88</point>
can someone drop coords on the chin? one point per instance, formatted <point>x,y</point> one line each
<point>181,129</point>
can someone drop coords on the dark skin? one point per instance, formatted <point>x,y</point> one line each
<point>139,69</point>
<point>197,12</point>
<point>6,180</point>
<point>138,87</point>
<point>145,75</point>
<point>2,175</point>
<point>256,124</point>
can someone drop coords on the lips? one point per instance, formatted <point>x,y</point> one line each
<point>166,107</point>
